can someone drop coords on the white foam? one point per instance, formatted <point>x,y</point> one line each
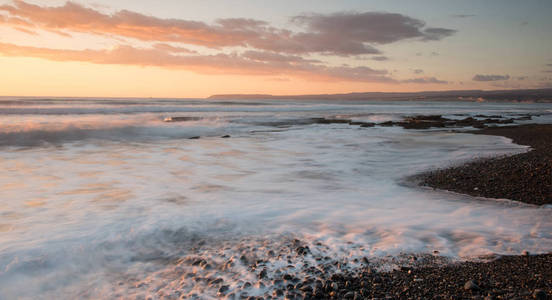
<point>97,217</point>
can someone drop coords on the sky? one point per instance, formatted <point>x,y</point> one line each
<point>194,49</point>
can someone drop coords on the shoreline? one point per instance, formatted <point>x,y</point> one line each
<point>508,277</point>
<point>524,177</point>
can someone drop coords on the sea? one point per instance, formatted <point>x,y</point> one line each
<point>193,198</point>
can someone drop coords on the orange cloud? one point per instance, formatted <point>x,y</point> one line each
<point>74,17</point>
<point>266,50</point>
<point>248,64</point>
<point>341,34</point>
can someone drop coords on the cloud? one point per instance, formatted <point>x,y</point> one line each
<point>351,31</point>
<point>521,77</point>
<point>480,77</point>
<point>342,34</point>
<point>418,71</point>
<point>424,80</point>
<point>462,16</point>
<point>435,34</point>
<point>250,63</point>
<point>172,49</point>
<point>77,18</point>
<point>380,58</point>
<point>275,57</point>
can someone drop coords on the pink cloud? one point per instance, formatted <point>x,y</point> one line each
<point>234,64</point>
<point>342,34</point>
<point>424,80</point>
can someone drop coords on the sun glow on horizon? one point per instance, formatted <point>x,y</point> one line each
<point>70,49</point>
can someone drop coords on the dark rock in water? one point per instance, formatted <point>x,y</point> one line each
<point>243,259</point>
<point>225,136</point>
<point>306,288</point>
<point>223,289</point>
<point>362,124</point>
<point>332,121</point>
<point>181,119</point>
<point>524,118</point>
<point>470,285</point>
<point>194,138</point>
<point>438,121</point>
<point>216,281</point>
<point>303,250</point>
<point>540,295</point>
<point>387,123</point>
<point>262,274</point>
<point>491,116</point>
<point>277,293</point>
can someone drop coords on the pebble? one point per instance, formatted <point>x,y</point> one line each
<point>470,285</point>
<point>540,295</point>
<point>223,289</point>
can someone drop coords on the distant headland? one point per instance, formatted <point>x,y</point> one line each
<point>532,95</point>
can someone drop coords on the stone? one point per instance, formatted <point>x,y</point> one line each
<point>540,295</point>
<point>470,285</point>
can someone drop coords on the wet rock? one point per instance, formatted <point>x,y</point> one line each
<point>278,293</point>
<point>470,285</point>
<point>349,295</point>
<point>540,295</point>
<point>215,281</point>
<point>262,274</point>
<point>223,289</point>
<point>303,250</point>
<point>306,288</point>
<point>243,259</point>
<point>181,119</point>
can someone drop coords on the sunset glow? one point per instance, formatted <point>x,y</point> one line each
<point>130,48</point>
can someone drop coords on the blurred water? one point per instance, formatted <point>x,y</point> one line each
<point>100,198</point>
